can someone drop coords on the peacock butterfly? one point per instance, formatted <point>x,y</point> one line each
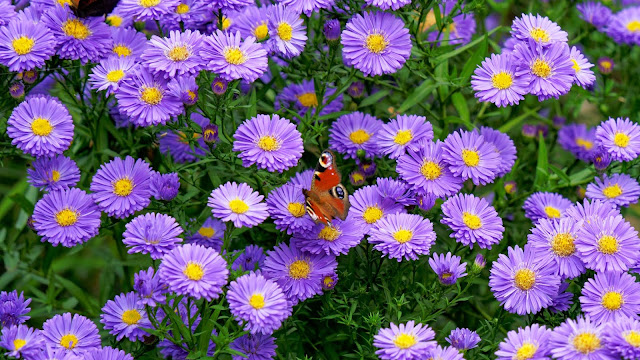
<point>86,8</point>
<point>328,198</point>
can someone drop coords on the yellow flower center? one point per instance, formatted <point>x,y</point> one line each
<point>76,29</point>
<point>285,31</point>
<point>552,213</point>
<point>193,271</point>
<point>114,20</point>
<point>402,236</point>
<point>122,50</point>
<point>191,95</point>
<point>41,127</point>
<point>608,245</point>
<point>115,75</point>
<point>131,317</point>
<point>151,95</point>
<point>621,139</point>
<point>606,64</point>
<point>296,209</point>
<point>235,56</point>
<point>23,45</point>
<point>206,231</point>
<point>238,206</point>
<point>69,341</point>
<point>470,157</point>
<point>539,35</point>
<point>508,188</point>
<point>526,351</point>
<point>261,31</point>
<point>256,301</point>
<point>633,26</point>
<point>405,341</point>
<point>149,3</point>
<point>430,170</point>
<point>328,281</point>
<point>612,191</point>
<point>182,9</point>
<point>359,136</point>
<point>64,2</point>
<point>357,177</point>
<point>299,269</point>
<point>612,300</point>
<point>402,137</point>
<point>541,68</point>
<point>55,175</point>
<point>308,99</point>
<point>586,144</point>
<point>19,343</point>
<point>586,342</point>
<point>178,53</point>
<point>633,338</point>
<point>226,23</point>
<point>66,217</point>
<point>576,66</point>
<point>329,233</point>
<point>471,220</point>
<point>372,214</point>
<point>268,143</point>
<point>562,244</point>
<point>502,80</point>
<point>376,43</point>
<point>123,187</point>
<point>525,279</point>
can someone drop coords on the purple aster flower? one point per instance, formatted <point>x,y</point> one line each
<point>388,4</point>
<point>125,316</point>
<point>609,244</point>
<point>356,89</point>
<point>396,190</point>
<point>555,239</point>
<point>302,179</point>
<point>13,308</point>
<point>304,99</point>
<point>153,234</point>
<point>175,55</point>
<point>40,126</point>
<point>8,11</point>
<point>582,67</point>
<point>563,300</point>
<point>146,99</point>
<point>228,56</point>
<point>219,86</point>
<point>579,339</point>
<point>195,271</point>
<point>164,186</point>
<point>332,30</point>
<point>239,204</point>
<point>376,43</point>
<point>150,290</point>
<point>623,338</point>
<point>329,281</point>
<point>353,132</point>
<point>16,90</point>
<point>357,178</point>
<point>550,68</point>
<point>253,21</point>
<point>109,74</point>
<point>298,274</point>
<point>193,13</point>
<point>444,353</point>
<point>426,171</point>
<point>586,211</point>
<point>107,353</point>
<point>117,20</point>
<point>210,134</point>
<point>505,147</point>
<point>624,26</point>
<point>185,88</point>
<point>258,301</point>
<point>66,217</point>
<point>448,268</point>
<point>48,352</point>
<point>510,187</point>
<point>620,138</point>
<point>605,65</point>
<point>229,5</point>
<point>458,32</point>
<point>537,28</point>
<point>75,335</point>
<point>121,187</point>
<point>404,342</point>
<point>286,205</point>
<point>601,160</point>
<point>270,142</point>
<point>545,205</point>
<point>402,133</point>
<point>287,32</point>
<point>84,39</point>
<point>611,297</point>
<point>578,140</point>
<point>210,234</point>
<point>21,341</point>
<point>254,347</point>
<point>368,207</point>
<point>498,81</point>
<point>471,157</point>
<point>530,342</point>
<point>251,256</point>
<point>187,145</point>
<point>143,10</point>
<point>523,282</point>
<point>463,339</point>
<point>307,7</point>
<point>25,45</point>
<point>595,13</point>
<point>472,220</point>
<point>127,42</point>
<point>336,239</point>
<point>53,173</point>
<point>620,190</point>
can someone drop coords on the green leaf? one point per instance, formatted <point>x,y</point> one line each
<point>252,111</point>
<point>374,98</point>
<point>77,292</point>
<point>474,61</point>
<point>460,50</point>
<point>560,173</point>
<point>460,103</point>
<point>542,169</point>
<point>419,94</point>
<point>517,120</point>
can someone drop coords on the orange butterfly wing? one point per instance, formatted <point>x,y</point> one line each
<point>328,198</point>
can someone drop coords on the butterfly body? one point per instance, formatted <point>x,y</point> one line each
<point>86,8</point>
<point>327,199</point>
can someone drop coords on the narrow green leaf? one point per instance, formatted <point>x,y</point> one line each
<point>460,50</point>
<point>77,292</point>
<point>542,169</point>
<point>560,173</point>
<point>252,111</point>
<point>460,103</point>
<point>419,94</point>
<point>374,98</point>
<point>474,61</point>
<point>517,120</point>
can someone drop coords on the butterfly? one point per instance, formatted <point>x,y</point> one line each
<point>328,198</point>
<point>86,8</point>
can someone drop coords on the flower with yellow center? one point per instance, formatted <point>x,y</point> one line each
<point>55,175</point>
<point>178,53</point>
<point>359,136</point>
<point>586,342</point>
<point>405,341</point>
<point>64,2</point>
<point>19,343</point>
<point>584,143</point>
<point>612,300</point>
<point>299,269</point>
<point>403,137</point>
<point>256,301</point>
<point>372,214</point>
<point>526,351</point>
<point>114,20</point>
<point>23,45</point>
<point>268,143</point>
<point>122,50</point>
<point>472,221</point>
<point>149,3</point>
<point>541,68</point>
<point>131,317</point>
<point>296,209</point>
<point>207,232</point>
<point>430,170</point>
<point>193,271</point>
<point>308,99</point>
<point>328,282</point>
<point>403,235</point>
<point>261,31</point>
<point>151,95</point>
<point>552,213</point>
<point>329,233</point>
<point>123,187</point>
<point>502,80</point>
<point>621,139</point>
<point>41,127</point>
<point>576,66</point>
<point>182,9</point>
<point>470,157</point>
<point>539,35</point>
<point>612,191</point>
<point>233,55</point>
<point>238,206</point>
<point>633,26</point>
<point>608,245</point>
<point>563,245</point>
<point>524,279</point>
<point>69,341</point>
<point>376,43</point>
<point>115,75</point>
<point>285,31</point>
<point>226,23</point>
<point>66,217</point>
<point>632,338</point>
<point>75,28</point>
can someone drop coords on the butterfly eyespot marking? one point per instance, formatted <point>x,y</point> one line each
<point>316,175</point>
<point>338,191</point>
<point>326,159</point>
